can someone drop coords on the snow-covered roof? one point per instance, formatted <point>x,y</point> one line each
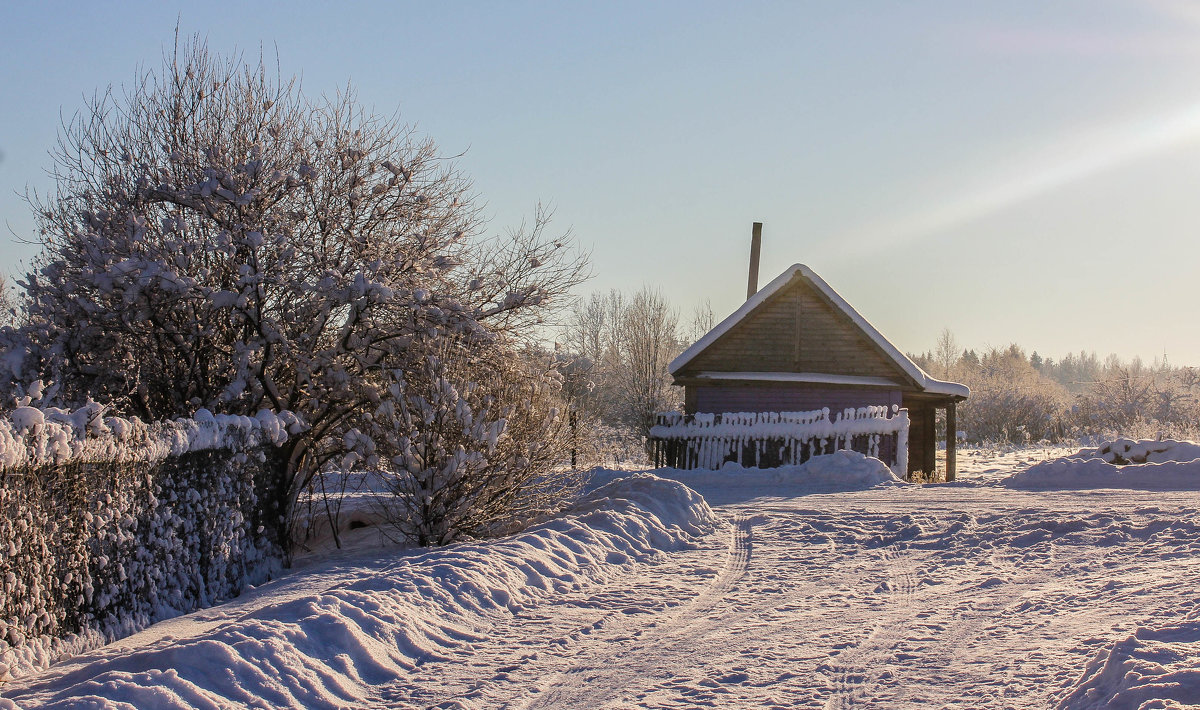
<point>921,378</point>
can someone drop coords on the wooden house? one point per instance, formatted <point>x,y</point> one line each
<point>797,345</point>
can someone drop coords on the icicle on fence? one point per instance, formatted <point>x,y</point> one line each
<point>769,439</point>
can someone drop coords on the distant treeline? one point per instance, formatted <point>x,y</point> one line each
<point>1018,397</point>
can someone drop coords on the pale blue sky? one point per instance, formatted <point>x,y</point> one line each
<point>1016,171</point>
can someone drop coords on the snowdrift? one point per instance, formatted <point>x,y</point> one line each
<point>1124,463</point>
<point>320,651</point>
<point>839,471</point>
<point>1151,668</point>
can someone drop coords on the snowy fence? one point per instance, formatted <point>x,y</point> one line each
<point>769,439</point>
<point>108,525</point>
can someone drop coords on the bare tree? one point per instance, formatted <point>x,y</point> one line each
<point>628,342</point>
<point>645,341</point>
<point>588,330</point>
<point>703,320</point>
<point>946,354</point>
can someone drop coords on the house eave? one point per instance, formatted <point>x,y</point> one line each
<point>822,378</point>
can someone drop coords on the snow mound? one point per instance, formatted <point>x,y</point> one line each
<point>320,651</point>
<point>1123,463</point>
<point>1127,451</point>
<point>840,471</point>
<point>848,469</point>
<point>1155,667</point>
<point>679,508</point>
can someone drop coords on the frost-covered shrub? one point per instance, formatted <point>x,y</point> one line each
<point>1018,400</point>
<point>597,444</point>
<point>1010,401</point>
<point>103,533</point>
<point>1141,401</point>
<point>471,445</point>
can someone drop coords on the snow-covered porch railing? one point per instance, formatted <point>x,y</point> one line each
<point>769,439</point>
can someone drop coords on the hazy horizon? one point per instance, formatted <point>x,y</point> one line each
<point>1011,171</point>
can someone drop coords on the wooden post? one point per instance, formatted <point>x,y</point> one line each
<point>929,440</point>
<point>951,441</point>
<point>573,420</point>
<point>755,246</point>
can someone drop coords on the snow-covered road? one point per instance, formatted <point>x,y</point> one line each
<point>962,596</point>
<point>934,597</point>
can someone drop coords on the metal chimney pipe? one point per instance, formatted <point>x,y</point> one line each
<point>755,246</point>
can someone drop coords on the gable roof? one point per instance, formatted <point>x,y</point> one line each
<point>920,378</point>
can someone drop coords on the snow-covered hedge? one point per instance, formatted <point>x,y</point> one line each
<point>325,650</point>
<point>1123,463</point>
<point>783,438</point>
<point>34,436</point>
<point>108,524</point>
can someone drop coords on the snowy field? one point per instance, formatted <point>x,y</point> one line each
<point>776,589</point>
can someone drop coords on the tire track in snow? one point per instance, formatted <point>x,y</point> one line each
<point>854,669</point>
<point>918,628</point>
<point>597,679</point>
<point>922,632</point>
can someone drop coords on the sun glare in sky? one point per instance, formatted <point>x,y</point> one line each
<point>1070,159</point>
<point>1014,171</point>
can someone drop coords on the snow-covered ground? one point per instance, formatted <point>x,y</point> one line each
<point>967,595</point>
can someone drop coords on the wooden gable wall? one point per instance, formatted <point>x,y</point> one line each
<point>796,330</point>
<point>787,397</point>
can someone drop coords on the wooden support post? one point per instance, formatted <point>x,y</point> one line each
<point>929,440</point>
<point>951,441</point>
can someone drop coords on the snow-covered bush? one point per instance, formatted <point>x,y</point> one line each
<point>1136,399</point>
<point>1010,401</point>
<point>472,445</point>
<point>220,240</point>
<point>1124,452</point>
<point>107,524</point>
